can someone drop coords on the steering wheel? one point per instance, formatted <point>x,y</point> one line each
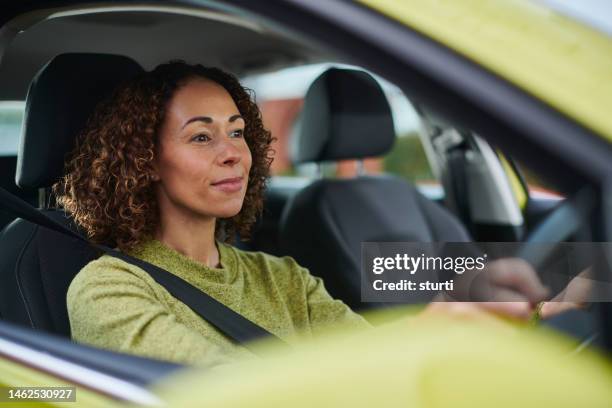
<point>565,221</point>
<point>558,226</point>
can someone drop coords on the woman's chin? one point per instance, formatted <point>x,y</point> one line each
<point>228,213</point>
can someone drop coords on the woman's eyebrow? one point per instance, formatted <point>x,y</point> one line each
<point>207,119</point>
<point>204,119</point>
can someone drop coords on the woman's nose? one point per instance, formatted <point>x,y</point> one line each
<point>229,154</point>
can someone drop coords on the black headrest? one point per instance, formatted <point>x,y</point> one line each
<point>346,116</point>
<point>61,97</point>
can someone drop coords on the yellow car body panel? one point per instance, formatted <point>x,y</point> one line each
<point>560,61</point>
<point>418,363</point>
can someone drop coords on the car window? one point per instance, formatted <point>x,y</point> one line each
<point>11,117</point>
<point>280,96</point>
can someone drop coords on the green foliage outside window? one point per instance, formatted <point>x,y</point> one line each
<point>407,159</point>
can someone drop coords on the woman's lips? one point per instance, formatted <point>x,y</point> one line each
<point>229,185</point>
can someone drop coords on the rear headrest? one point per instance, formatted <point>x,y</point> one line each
<point>61,97</point>
<point>346,116</point>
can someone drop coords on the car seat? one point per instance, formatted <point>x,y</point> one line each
<point>37,264</point>
<point>346,116</point>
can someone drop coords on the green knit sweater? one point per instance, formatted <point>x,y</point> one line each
<point>116,305</point>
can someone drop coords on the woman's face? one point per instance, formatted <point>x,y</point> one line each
<point>203,160</point>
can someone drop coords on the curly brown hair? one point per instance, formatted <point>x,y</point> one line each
<point>108,182</point>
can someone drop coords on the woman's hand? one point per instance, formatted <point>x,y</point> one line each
<point>574,296</point>
<point>511,288</point>
<point>507,287</point>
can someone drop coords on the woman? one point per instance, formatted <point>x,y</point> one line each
<point>170,168</point>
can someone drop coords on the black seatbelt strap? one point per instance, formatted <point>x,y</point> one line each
<point>232,324</point>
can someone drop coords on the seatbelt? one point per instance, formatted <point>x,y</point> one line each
<point>232,324</point>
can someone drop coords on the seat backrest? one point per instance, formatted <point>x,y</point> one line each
<point>36,264</point>
<point>346,116</point>
<point>36,268</point>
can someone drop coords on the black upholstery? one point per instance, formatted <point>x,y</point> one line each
<point>36,268</point>
<point>36,264</point>
<point>265,233</point>
<point>324,224</point>
<point>8,166</point>
<point>60,99</point>
<point>350,106</point>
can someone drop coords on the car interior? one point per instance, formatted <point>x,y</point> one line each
<point>62,62</point>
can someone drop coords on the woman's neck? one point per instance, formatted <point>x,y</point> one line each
<point>194,238</point>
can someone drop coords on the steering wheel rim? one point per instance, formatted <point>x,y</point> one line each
<point>565,220</point>
<point>557,227</point>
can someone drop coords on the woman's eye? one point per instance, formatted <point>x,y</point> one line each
<point>237,133</point>
<point>200,138</point>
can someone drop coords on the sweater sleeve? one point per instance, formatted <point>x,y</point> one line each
<point>324,311</point>
<point>110,306</point>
